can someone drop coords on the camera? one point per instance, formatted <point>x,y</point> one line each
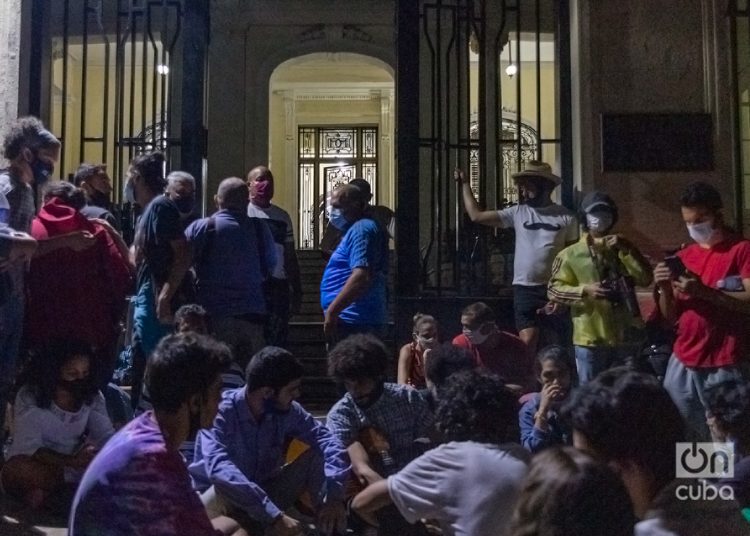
<point>621,291</point>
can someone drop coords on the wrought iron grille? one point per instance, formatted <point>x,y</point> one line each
<point>329,157</point>
<point>114,72</point>
<point>740,13</point>
<point>478,113</point>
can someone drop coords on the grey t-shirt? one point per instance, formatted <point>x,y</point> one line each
<point>540,235</point>
<point>470,488</point>
<point>281,228</point>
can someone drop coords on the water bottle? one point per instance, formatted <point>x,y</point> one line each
<point>4,210</point>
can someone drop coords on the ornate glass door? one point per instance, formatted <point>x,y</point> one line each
<point>328,158</point>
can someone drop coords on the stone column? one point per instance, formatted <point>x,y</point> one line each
<point>10,44</point>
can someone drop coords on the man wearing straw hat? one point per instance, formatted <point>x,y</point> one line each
<point>543,228</point>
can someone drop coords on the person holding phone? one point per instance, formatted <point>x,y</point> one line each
<point>705,293</point>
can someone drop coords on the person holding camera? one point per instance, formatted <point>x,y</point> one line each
<point>704,290</point>
<point>596,277</point>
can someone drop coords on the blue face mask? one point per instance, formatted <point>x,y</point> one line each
<point>337,219</point>
<point>42,171</point>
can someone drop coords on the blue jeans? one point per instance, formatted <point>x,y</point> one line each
<point>11,327</point>
<point>687,385</point>
<point>593,360</point>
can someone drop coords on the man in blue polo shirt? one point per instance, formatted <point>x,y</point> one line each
<point>233,256</point>
<point>352,292</point>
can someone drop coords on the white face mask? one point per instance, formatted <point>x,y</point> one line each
<point>702,233</point>
<point>476,337</point>
<point>599,222</point>
<point>425,343</point>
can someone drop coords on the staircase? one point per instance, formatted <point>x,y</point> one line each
<point>306,340</point>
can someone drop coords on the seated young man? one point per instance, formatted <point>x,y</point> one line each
<point>240,463</point>
<point>628,420</point>
<point>445,360</point>
<point>728,418</point>
<point>383,425</point>
<point>499,352</point>
<point>138,483</point>
<point>471,483</point>
<point>539,419</point>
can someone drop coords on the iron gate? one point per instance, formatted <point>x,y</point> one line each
<point>482,75</point>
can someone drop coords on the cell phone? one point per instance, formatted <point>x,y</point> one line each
<point>675,265</point>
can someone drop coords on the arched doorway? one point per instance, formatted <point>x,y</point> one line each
<point>330,120</point>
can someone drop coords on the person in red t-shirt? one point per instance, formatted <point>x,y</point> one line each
<point>497,351</point>
<point>707,296</point>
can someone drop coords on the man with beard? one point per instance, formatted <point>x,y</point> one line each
<point>97,186</point>
<point>138,483</point>
<point>240,463</point>
<point>543,228</point>
<point>383,425</point>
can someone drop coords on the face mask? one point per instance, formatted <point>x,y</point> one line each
<point>99,199</point>
<point>425,343</point>
<point>185,204</point>
<point>77,388</point>
<point>702,233</point>
<point>476,337</point>
<point>338,220</point>
<point>42,171</point>
<point>262,193</point>
<point>129,192</point>
<point>599,222</point>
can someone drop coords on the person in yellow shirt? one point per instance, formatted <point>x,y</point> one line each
<point>596,277</point>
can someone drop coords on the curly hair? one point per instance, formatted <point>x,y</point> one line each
<point>150,167</point>
<point>272,367</point>
<point>628,416</point>
<point>358,357</point>
<point>569,492</point>
<point>446,360</point>
<point>476,406</point>
<point>87,171</point>
<point>701,194</point>
<point>183,365</point>
<point>729,403</point>
<point>28,132</point>
<point>66,193</point>
<point>188,310</point>
<point>41,372</point>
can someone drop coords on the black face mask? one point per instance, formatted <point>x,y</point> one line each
<point>79,389</point>
<point>99,199</point>
<point>185,204</point>
<point>42,171</point>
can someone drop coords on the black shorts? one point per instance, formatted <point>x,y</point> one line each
<point>527,300</point>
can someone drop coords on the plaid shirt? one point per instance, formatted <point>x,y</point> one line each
<point>401,414</point>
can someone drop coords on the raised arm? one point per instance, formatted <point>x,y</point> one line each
<point>484,217</point>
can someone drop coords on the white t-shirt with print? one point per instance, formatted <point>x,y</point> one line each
<point>470,488</point>
<point>540,235</point>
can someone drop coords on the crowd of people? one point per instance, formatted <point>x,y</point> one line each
<point>493,433</point>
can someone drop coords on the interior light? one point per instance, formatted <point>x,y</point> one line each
<point>511,69</point>
<point>162,69</point>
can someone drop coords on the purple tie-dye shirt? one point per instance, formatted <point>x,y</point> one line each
<point>135,485</point>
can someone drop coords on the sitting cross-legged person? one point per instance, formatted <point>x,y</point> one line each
<point>138,483</point>
<point>241,464</point>
<point>383,425</point>
<point>497,351</point>
<point>471,483</point>
<point>540,423</point>
<point>60,422</point>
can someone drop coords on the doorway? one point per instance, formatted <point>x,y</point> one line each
<point>329,157</point>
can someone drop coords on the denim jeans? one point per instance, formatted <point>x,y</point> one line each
<point>593,360</point>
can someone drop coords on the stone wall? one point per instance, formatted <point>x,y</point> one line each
<point>650,57</point>
<point>10,43</point>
